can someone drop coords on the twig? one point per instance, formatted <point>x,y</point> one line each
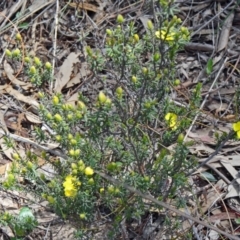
<point>26,140</point>
<point>54,44</point>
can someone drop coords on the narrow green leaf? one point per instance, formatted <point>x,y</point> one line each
<point>209,66</point>
<point>208,176</point>
<point>23,25</point>
<point>237,220</point>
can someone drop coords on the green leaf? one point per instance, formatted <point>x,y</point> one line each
<point>209,66</point>
<point>23,25</point>
<point>237,220</point>
<point>25,215</point>
<point>25,221</point>
<point>208,176</point>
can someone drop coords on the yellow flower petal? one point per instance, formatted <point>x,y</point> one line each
<point>162,34</point>
<point>171,118</point>
<point>69,186</point>
<point>236,126</point>
<point>238,134</point>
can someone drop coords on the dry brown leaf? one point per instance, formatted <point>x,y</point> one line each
<point>32,118</point>
<point>65,71</point>
<point>217,106</point>
<point>144,21</point>
<point>223,215</point>
<point>212,196</point>
<point>85,6</point>
<point>73,98</point>
<point>19,96</point>
<point>233,189</point>
<point>9,72</point>
<point>224,36</point>
<point>202,135</point>
<point>5,168</point>
<point>201,150</point>
<point>83,72</point>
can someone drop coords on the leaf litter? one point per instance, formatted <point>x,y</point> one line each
<point>212,55</point>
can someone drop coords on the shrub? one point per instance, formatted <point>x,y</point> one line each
<point>125,132</point>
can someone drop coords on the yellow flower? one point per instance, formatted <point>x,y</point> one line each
<point>88,171</point>
<point>236,128</point>
<point>69,186</point>
<point>171,118</point>
<point>162,34</point>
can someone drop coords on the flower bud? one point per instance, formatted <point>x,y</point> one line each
<point>109,32</point>
<point>180,138</point>
<point>29,165</point>
<point>49,116</point>
<point>80,163</point>
<point>91,181</point>
<point>77,152</point>
<point>78,115</point>
<point>50,199</point>
<point>156,57</point>
<point>69,117</point>
<point>179,20</point>
<point>119,92</point>
<point>10,178</point>
<point>16,156</point>
<point>120,19</point>
<point>37,61</point>
<point>102,98</point>
<point>81,168</point>
<point>146,178</point>
<point>108,101</point>
<point>44,195</point>
<point>71,152</point>
<point>116,190</point>
<point>74,166</point>
<point>55,100</point>
<point>41,95</point>
<point>58,118</point>
<point>89,171</point>
<point>33,70</point>
<point>70,136</point>
<point>16,52</point>
<point>82,216</point>
<point>150,25</point>
<point>136,38</point>
<point>18,37</point>
<point>8,52</point>
<point>27,60</point>
<point>89,50</point>
<point>177,82</point>
<point>73,142</point>
<point>74,172</point>
<point>111,189</point>
<point>48,65</point>
<point>144,70</point>
<point>81,106</point>
<point>134,79</point>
